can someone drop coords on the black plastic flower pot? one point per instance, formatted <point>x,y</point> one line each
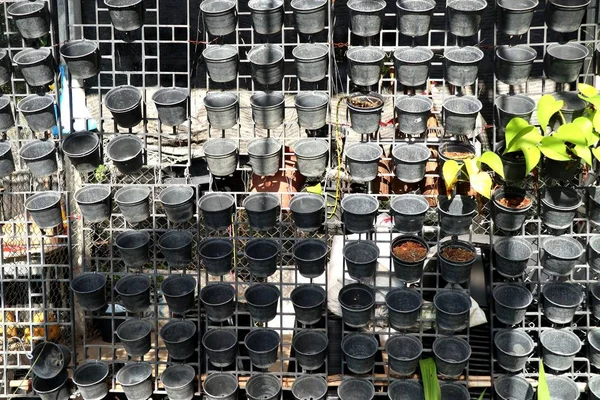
<point>312,62</point>
<point>7,164</point>
<point>262,256</point>
<point>361,258</point>
<point>136,380</point>
<point>357,302</point>
<point>510,208</point>
<point>410,161</point>
<point>266,64</point>
<point>179,293</point>
<point>364,65</point>
<point>267,16</point>
<point>126,15</point>
<point>5,67</point>
<point>263,347</point>
<point>509,387</point>
<point>560,254</point>
<point>134,248</point>
<point>134,203</point>
<point>560,301</point>
<point>171,105</point>
<point>176,247</point>
<point>593,253</point>
<point>451,355</point>
<point>456,214</point>
<point>595,299</point>
<point>454,391</point>
<point>218,300</point>
<point>511,301</point>
<point>359,352</point>
<point>178,203</point>
<point>593,207</point>
<point>38,111</point>
<point>562,387</point>
<point>36,65</point>
<point>90,378</point>
<point>178,381</point>
<point>412,113</point>
<point>404,353</point>
<point>52,389</point>
<point>82,58</point>
<point>219,17</point>
<point>134,291</point>
<point>508,107</point>
<point>364,111</point>
<point>514,165</point>
<point>561,170</point>
<point>51,359</point>
<point>221,156</point>
<point>217,209</point>
<point>312,154</point>
<point>412,65</point>
<point>559,348</point>
<point>565,16</point>
<point>310,257</point>
<point>409,212</point>
<point>514,17</point>
<point>356,389</point>
<point>563,62</point>
<point>456,258</point>
<point>221,386</point>
<point>455,150</point>
<point>593,339</point>
<point>308,211</point>
<point>513,63</point>
<point>221,346</point>
<point>366,17</point>
<point>413,18</point>
<point>263,387</point>
<point>309,15</point>
<point>594,387</point>
<point>513,348</point>
<point>90,290</point>
<point>180,338</point>
<point>309,303</point>
<point>125,104</point>
<point>573,107</point>
<point>408,256</point>
<point>216,255</point>
<point>45,210</point>
<point>262,210</point>
<point>32,18</point>
<point>221,62</point>
<point>222,109</point>
<point>265,153</point>
<point>262,299</point>
<point>511,256</point>
<point>310,347</point>
<point>405,389</point>
<point>125,152</point>
<point>83,150</point>
<point>404,307</point>
<point>460,115</point>
<point>135,334</point>
<point>362,161</point>
<point>452,310</point>
<point>464,17</point>
<point>7,120</point>
<point>309,387</point>
<point>462,65</point>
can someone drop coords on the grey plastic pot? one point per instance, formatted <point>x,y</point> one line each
<point>413,17</point>
<point>509,387</point>
<point>514,18</point>
<point>359,351</point>
<point>410,160</point>
<point>513,63</point>
<point>178,381</point>
<point>7,163</point>
<point>266,63</point>
<point>572,108</point>
<point>357,302</point>
<point>221,386</point>
<point>464,17</point>
<point>263,347</point>
<point>511,301</point>
<point>364,64</point>
<point>561,387</point>
<point>221,346</point>
<point>565,16</point>
<point>451,355</point>
<point>265,156</point>
<point>412,64</point>
<point>409,212</point>
<point>356,389</point>
<point>359,212</point>
<point>179,292</point>
<point>462,65</point>
<point>460,114</point>
<point>404,352</point>
<point>513,348</point>
<point>52,389</point>
<point>126,15</point>
<point>560,255</point>
<point>83,150</point>
<point>312,61</point>
<point>563,62</point>
<point>267,16</point>
<point>594,387</point>
<point>222,109</point>
<point>309,303</point>
<point>180,338</point>
<point>559,347</point>
<point>311,156</point>
<point>511,256</point>
<point>309,387</point>
<point>221,156</point>
<point>268,110</point>
<point>262,299</point>
<point>404,307</point>
<point>134,203</point>
<point>593,338</point>
<point>452,310</point>
<point>125,152</point>
<point>366,17</point>
<point>135,334</point>
<point>593,253</point>
<point>217,209</point>
<point>310,257</point>
<point>219,17</point>
<point>454,146</point>
<point>361,258</point>
<point>310,347</point>
<point>134,248</point>
<point>90,378</point>
<point>32,18</point>
<point>408,270</point>
<point>125,104</point>
<point>51,359</point>
<point>171,105</point>
<point>560,301</point>
<point>36,65</point>
<point>509,219</point>
<point>38,111</point>
<point>364,120</point>
<point>514,165</point>
<point>454,391</point>
<point>178,203</point>
<point>82,58</point>
<point>216,255</point>
<point>135,379</point>
<point>312,109</point>
<point>412,112</point>
<point>512,106</point>
<point>263,387</point>
<point>262,210</point>
<point>263,256</point>
<point>5,67</point>
<point>308,211</point>
<point>40,157</point>
<point>90,290</point>
<point>309,15</point>
<point>362,161</point>
<point>95,203</point>
<point>221,62</point>
<point>7,120</point>
<point>455,215</point>
<point>218,300</point>
<point>595,299</point>
<point>455,271</point>
<point>134,291</point>
<point>593,209</point>
<point>45,210</point>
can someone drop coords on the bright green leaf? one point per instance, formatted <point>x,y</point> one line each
<point>482,394</point>
<point>554,148</point>
<point>596,121</point>
<point>596,153</point>
<point>571,133</point>
<point>513,128</point>
<point>595,101</point>
<point>586,128</point>
<point>529,136</point>
<point>532,157</point>
<point>471,166</point>
<point>587,90</point>
<point>431,385</point>
<point>450,172</point>
<point>543,393</point>
<point>316,189</point>
<point>547,107</point>
<point>584,153</point>
<point>493,161</point>
<point>481,182</point>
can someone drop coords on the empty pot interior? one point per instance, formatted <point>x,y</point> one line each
<point>31,56</point>
<point>361,252</point>
<point>366,5</point>
<point>571,101</point>
<point>132,240</point>
<point>413,104</point>
<point>219,339</point>
<point>403,300</point>
<point>178,285</point>
<point>220,100</point>
<point>513,249</point>
<point>513,296</point>
<point>416,5</point>
<point>458,205</point>
<point>78,48</point>
<point>565,295</point>
<point>169,96</point>
<point>308,387</point>
<point>176,195</point>
<point>408,204</point>
<point>259,100</point>
<point>306,204</point>
<point>413,55</point>
<point>310,250</point>
<point>262,148</point>
<point>563,247</point>
<point>122,98</point>
<point>131,195</point>
<point>452,350</point>
<point>452,302</point>
<point>513,387</point>
<point>219,147</point>
<point>563,388</point>
<point>261,249</point>
<point>121,3</point>
<point>356,297</point>
<point>519,5</point>
<point>464,55</point>
<point>219,53</point>
<point>132,285</point>
<point>133,374</point>
<point>570,4</point>
<point>594,385</point>
<point>311,100</point>
<point>411,152</point>
<point>35,103</point>
<point>262,295</point>
<point>216,294</point>
<point>514,342</point>
<point>365,54</point>
<point>309,342</point>
<point>310,51</point>
<point>462,105</point>
<point>92,194</point>
<point>175,240</point>
<point>4,102</point>
<point>42,201</point>
<point>467,5</point>
<point>90,373</point>
<point>355,389</point>
<point>261,202</point>
<point>262,340</point>
<point>364,152</point>
<point>264,5</point>
<point>216,249</point>
<point>568,52</point>
<point>360,204</point>
<point>215,202</point>
<point>265,54</point>
<point>50,385</point>
<point>177,331</point>
<point>405,390</point>
<point>404,347</point>
<point>307,296</point>
<point>516,53</point>
<point>311,148</point>
<point>178,376</point>
<point>216,6</point>
<point>80,144</point>
<point>594,338</point>
<point>123,148</point>
<point>453,391</point>
<point>561,197</point>
<point>133,330</point>
<point>263,386</point>
<point>23,8</point>
<point>515,105</point>
<point>560,342</point>
<point>359,345</point>
<point>88,283</point>
<point>307,5</point>
<point>220,385</point>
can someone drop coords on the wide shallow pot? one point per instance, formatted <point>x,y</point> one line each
<point>50,359</point>
<point>217,209</point>
<point>454,391</point>
<point>125,104</point>
<point>560,255</point>
<point>90,290</point>
<point>411,65</point>
<point>135,334</point>
<point>311,108</point>
<point>178,381</point>
<point>308,211</point>
<point>511,301</point>
<point>309,15</point>
<point>221,386</point>
<point>221,346</point>
<point>263,256</point>
<point>464,16</point>
<point>309,387</point>
<point>513,348</point>
<point>126,153</point>
<point>7,119</point>
<point>361,258</point>
<point>180,338</point>
<point>262,299</point>
<point>311,156</point>
<point>452,310</point>
<point>134,248</point>
<point>508,387</point>
<point>404,307</point>
<point>364,64</point>
<point>510,208</point>
<point>83,150</point>
<point>265,156</point>
<point>263,347</point>
<point>38,111</point>
<point>95,203</point>
<point>460,114</point>
<point>512,106</point>
<point>219,16</point>
<point>136,380</point>
<point>221,156</point>
<point>409,212</point>
<point>178,203</point>
<point>410,161</point>
<point>560,301</point>
<point>462,65</point>
<point>456,258</point>
<point>565,16</point>
<point>31,18</point>
<point>82,58</point>
<point>413,112</point>
<point>356,389</point>
<point>134,291</point>
<point>357,302</point>
<point>171,105</point>
<point>312,61</point>
<point>359,212</point>
<point>126,15</point>
<point>404,389</point>
<point>404,352</point>
<point>561,387</point>
<point>514,17</point>
<point>559,347</point>
<point>218,300</point>
<point>134,203</point>
<point>222,109</point>
<point>359,351</point>
<point>263,387</point>
<point>179,292</point>
<point>563,62</point>
<point>413,17</point>
<point>52,389</point>
<point>216,255</point>
<point>408,255</point>
<point>267,16</point>
<point>511,256</point>
<point>262,210</point>
<point>364,111</point>
<point>45,210</point>
<point>266,63</point>
<point>310,347</point>
<point>456,214</point>
<point>362,161</point>
<point>36,65</point>
<point>90,378</point>
<point>366,17</point>
<point>221,62</point>
<point>310,257</point>
<point>513,63</point>
<point>451,355</point>
<point>308,302</point>
<point>593,339</point>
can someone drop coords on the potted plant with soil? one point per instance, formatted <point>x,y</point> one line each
<point>510,208</point>
<point>456,257</point>
<point>409,254</point>
<point>480,180</point>
<point>364,111</point>
<point>455,150</point>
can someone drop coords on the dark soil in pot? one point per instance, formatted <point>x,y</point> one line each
<point>458,254</point>
<point>410,250</point>
<point>365,101</point>
<point>510,208</point>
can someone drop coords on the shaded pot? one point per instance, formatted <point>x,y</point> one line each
<point>7,120</point>
<point>356,389</point>
<point>451,355</point>
<point>126,15</point>
<point>507,387</point>
<point>565,16</point>
<point>171,105</point>
<point>134,203</point>
<point>560,255</point>
<point>456,214</point>
<point>309,15</point>
<point>514,165</point>
<point>405,390</point>
<point>359,351</point>
<point>452,310</point>
<point>221,62</point>
<point>217,210</point>
<point>594,387</point>
<point>262,299</point>
<point>90,290</point>
<point>357,302</point>
<point>362,161</point>
<point>413,112</point>
<point>593,338</point>
<point>180,338</point>
<point>312,61</point>
<point>221,156</point>
<point>413,17</point>
<point>462,65</point>
<point>512,106</point>
<point>511,256</point>
<point>514,17</point>
<point>267,16</point>
<point>412,65</point>
<point>134,291</point>
<point>266,63</point>
<point>404,352</point>
<point>221,386</point>
<point>263,387</point>
<point>562,387</point>
<point>410,161</point>
<point>513,349</point>
<point>90,378</point>
<point>262,210</point>
<point>452,270</point>
<point>409,212</point>
<point>311,157</point>
<point>359,212</point>
<point>222,109</point>
<point>50,359</point>
<point>404,307</point>
<point>83,150</point>
<point>178,381</point>
<point>562,170</point>
<point>136,380</point>
<point>39,112</point>
<point>572,108</point>
<point>361,258</point>
<point>218,300</point>
<point>135,334</point>
<point>95,203</point>
<point>263,256</point>
<point>82,58</point>
<point>265,156</point>
<point>560,301</point>
<point>219,17</point>
<point>364,120</point>
<point>309,387</point>
<point>5,68</point>
<point>559,347</point>
<point>310,257</point>
<point>366,17</point>
<point>31,18</point>
<point>126,153</point>
<point>221,346</point>
<point>134,248</point>
<point>464,16</point>
<point>36,65</point>
<point>178,203</point>
<point>513,63</point>
<point>52,389</point>
<point>509,218</point>
<point>364,64</point>
<point>593,253</point>
<point>310,347</point>
<point>45,210</point>
<point>308,302</point>
<point>454,150</point>
<point>179,293</point>
<point>125,104</point>
<point>511,301</point>
<point>563,62</point>
<point>460,115</point>
<point>312,109</point>
<point>308,211</point>
<point>263,347</point>
<point>216,255</point>
<point>595,299</point>
<point>410,268</point>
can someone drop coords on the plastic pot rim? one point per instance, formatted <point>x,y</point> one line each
<point>594,243</point>
<point>482,5</point>
<point>365,144</point>
<point>116,90</point>
<point>595,290</point>
<point>402,382</point>
<point>132,3</point>
<point>72,43</point>
<point>517,10</point>
<point>257,331</point>
<point>132,232</point>
<point>87,364</point>
<point>325,101</point>
<point>73,136</point>
<point>464,146</point>
<point>298,244</point>
<point>310,332</point>
<point>362,109</point>
<point>39,195</point>
<point>594,385</point>
<point>379,54</point>
<point>443,293</point>
<point>265,140</point>
<point>270,46</point>
<point>592,339</point>
<point>219,331</point>
<point>556,4</point>
<point>470,99</point>
<point>51,149</point>
<point>47,97</point>
<point>313,378</point>
<point>45,51</point>
<point>4,102</point>
<point>252,5</point>
<point>566,286</point>
<point>188,236</point>
<point>77,279</point>
<point>173,277</point>
<point>131,203</point>
<point>522,97</point>
<point>506,48</point>
<point>11,9</point>
<point>5,147</point>
<point>131,321</point>
<point>397,338</point>
<point>424,50</point>
<point>456,243</point>
<point>498,288</point>
<point>216,141</point>
<point>129,366</point>
<point>257,195</point>
<point>225,10</point>
<point>468,200</point>
<point>306,195</point>
<point>430,8</point>
<point>366,336</point>
<point>189,368</point>
<point>295,8</point>
<point>561,208</point>
<point>406,238</point>
<point>403,290</point>
<point>303,287</point>
<point>364,288</point>
<point>518,332</point>
<point>209,241</point>
<point>420,199</point>
<point>439,342</point>
<point>188,189</point>
<point>231,377</point>
<point>471,49</point>
<point>262,242</point>
<point>229,95</point>
<point>322,46</point>
<point>270,287</point>
<point>370,199</point>
<point>570,240</point>
<point>63,375</point>
<point>210,195</point>
<point>558,352</point>
<point>500,191</point>
<point>515,239</point>
<point>206,53</point>
<point>115,141</point>
<point>568,44</point>
<point>169,89</point>
<point>320,142</point>
<point>381,4</point>
<point>399,99</point>
<point>124,279</point>
<point>178,322</point>
<point>414,146</point>
<point>206,288</point>
<point>362,382</point>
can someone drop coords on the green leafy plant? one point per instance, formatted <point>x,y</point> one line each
<point>480,180</point>
<point>431,384</point>
<point>543,393</point>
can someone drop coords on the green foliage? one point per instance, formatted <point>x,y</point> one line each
<point>480,180</point>
<point>543,393</point>
<point>431,385</point>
